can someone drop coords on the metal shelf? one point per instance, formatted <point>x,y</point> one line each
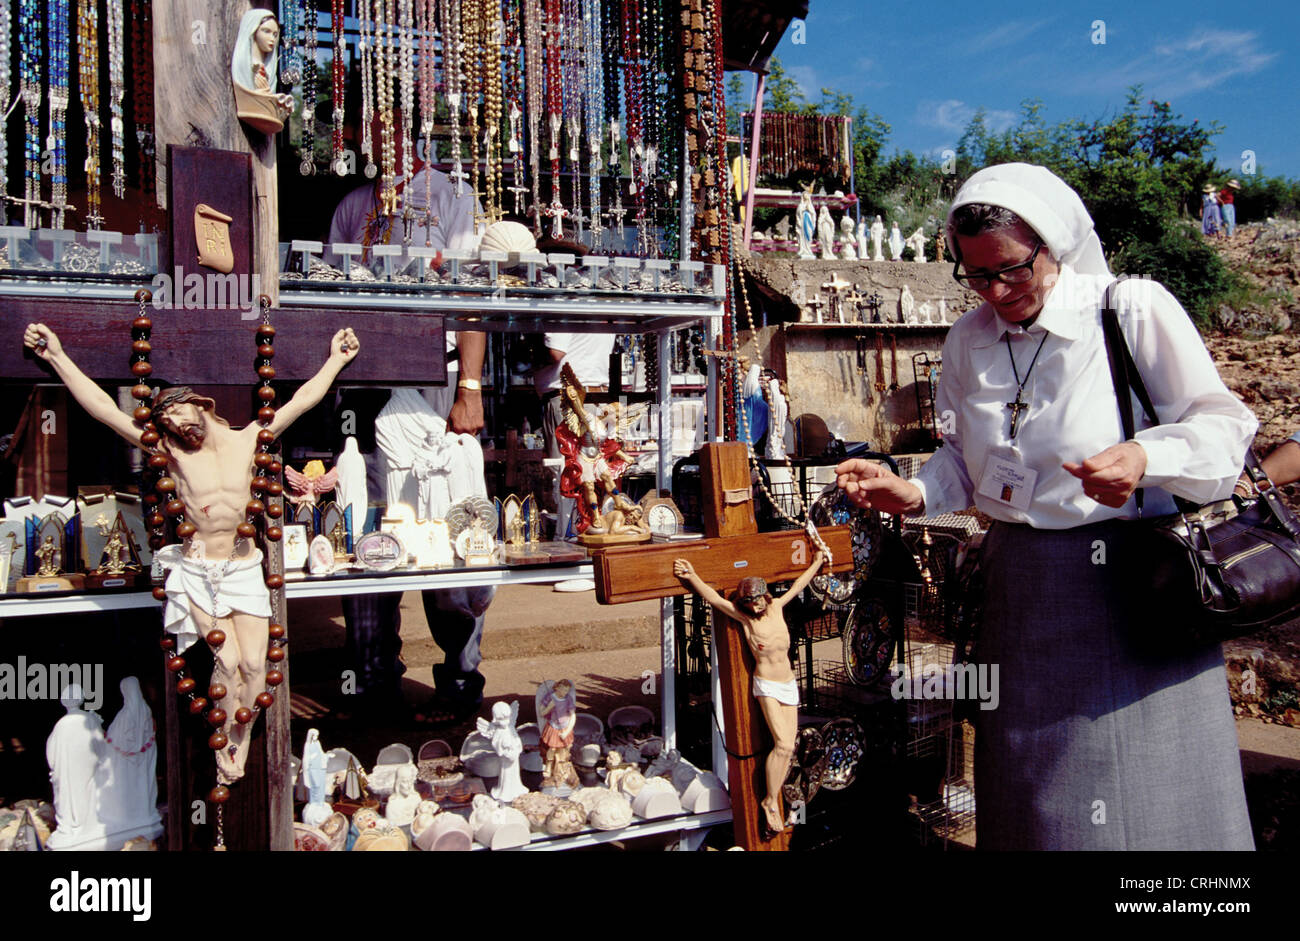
<point>321,586</point>
<point>679,824</point>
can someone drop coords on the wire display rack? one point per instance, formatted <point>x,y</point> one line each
<point>939,745</point>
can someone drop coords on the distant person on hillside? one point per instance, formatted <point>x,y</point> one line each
<point>1209,211</point>
<point>1227,198</point>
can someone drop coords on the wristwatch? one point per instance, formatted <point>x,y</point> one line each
<point>473,385</point>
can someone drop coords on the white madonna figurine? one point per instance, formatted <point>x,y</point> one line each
<point>74,752</point>
<point>850,242</point>
<point>253,68</point>
<point>508,746</point>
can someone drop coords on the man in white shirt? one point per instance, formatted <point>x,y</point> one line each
<point>455,615</point>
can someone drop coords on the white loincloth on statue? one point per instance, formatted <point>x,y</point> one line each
<point>242,589</point>
<point>787,693</point>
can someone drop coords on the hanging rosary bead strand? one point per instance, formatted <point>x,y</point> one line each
<point>384,77</point>
<point>6,27</point>
<point>142,90</point>
<point>493,31</point>
<point>366,53</point>
<point>291,15</point>
<point>57,141</point>
<point>424,10</point>
<point>555,110</point>
<point>406,93</point>
<point>449,33</point>
<point>514,91</point>
<point>594,105</point>
<point>310,43</point>
<point>339,75</point>
<point>88,92</point>
<point>116,92</point>
<point>31,90</point>
<point>534,67</point>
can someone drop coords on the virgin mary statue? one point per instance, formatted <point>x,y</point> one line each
<point>253,69</point>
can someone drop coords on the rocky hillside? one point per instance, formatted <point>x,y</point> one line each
<point>1258,347</point>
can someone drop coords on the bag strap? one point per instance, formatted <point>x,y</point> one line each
<point>1128,381</point>
<point>1124,374</point>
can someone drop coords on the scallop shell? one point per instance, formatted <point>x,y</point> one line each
<point>506,236</point>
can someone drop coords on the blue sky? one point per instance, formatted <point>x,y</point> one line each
<point>926,66</point>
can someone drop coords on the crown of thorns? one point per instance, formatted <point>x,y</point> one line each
<point>164,399</point>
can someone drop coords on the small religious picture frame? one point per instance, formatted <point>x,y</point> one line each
<point>296,546</point>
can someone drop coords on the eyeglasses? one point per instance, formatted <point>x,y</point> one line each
<point>1015,274</point>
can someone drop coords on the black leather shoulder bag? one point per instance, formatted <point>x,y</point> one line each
<point>1211,573</point>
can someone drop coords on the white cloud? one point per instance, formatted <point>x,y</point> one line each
<point>954,115</point>
<point>1195,62</point>
<point>1008,34</point>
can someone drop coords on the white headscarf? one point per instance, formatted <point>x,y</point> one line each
<point>1046,203</point>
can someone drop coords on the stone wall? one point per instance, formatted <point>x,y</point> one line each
<point>820,362</point>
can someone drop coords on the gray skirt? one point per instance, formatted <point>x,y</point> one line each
<point>1094,746</point>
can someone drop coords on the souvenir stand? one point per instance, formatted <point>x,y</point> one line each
<point>637,175</point>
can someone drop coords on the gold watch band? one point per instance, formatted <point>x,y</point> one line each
<point>472,385</point>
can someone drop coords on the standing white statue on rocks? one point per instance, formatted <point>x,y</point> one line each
<point>850,249</point>
<point>129,799</point>
<point>926,312</point>
<point>895,242</point>
<point>877,235</point>
<point>806,220</point>
<point>826,234</point>
<point>916,241</point>
<point>314,765</point>
<point>906,306</point>
<point>943,310</point>
<point>862,240</point>
<point>74,751</point>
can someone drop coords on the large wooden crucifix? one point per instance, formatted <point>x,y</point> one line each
<point>734,549</point>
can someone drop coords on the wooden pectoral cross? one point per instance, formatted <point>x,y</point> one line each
<point>733,550</point>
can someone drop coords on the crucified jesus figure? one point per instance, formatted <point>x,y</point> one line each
<point>215,580</point>
<point>775,689</point>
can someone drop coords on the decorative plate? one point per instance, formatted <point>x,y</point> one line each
<point>868,642</point>
<point>842,743</point>
<point>866,530</point>
<point>462,514</point>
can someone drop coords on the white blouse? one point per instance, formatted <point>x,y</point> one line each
<point>1072,414</point>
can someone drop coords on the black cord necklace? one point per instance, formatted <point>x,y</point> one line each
<point>1020,405</point>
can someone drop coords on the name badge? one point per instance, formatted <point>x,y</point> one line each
<point>1008,482</point>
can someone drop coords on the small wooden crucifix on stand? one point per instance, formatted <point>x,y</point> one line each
<point>733,551</point>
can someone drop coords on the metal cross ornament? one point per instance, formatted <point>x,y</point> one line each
<point>1016,408</point>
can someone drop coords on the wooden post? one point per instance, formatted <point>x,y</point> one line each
<point>734,550</point>
<point>193,41</point>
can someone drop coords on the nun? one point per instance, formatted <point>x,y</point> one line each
<point>1092,745</point>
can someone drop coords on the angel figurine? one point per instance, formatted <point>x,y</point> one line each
<point>557,714</point>
<point>309,483</point>
<point>507,744</point>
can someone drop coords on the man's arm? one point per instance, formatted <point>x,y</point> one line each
<point>97,403</point>
<point>466,416</point>
<point>343,349</point>
<point>801,582</point>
